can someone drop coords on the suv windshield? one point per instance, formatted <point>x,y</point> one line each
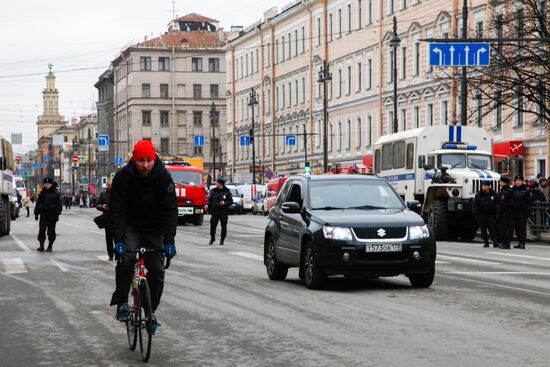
<point>355,194</point>
<point>452,160</point>
<point>186,177</point>
<point>480,161</point>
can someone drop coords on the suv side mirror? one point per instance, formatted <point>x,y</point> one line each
<point>291,207</point>
<point>414,205</point>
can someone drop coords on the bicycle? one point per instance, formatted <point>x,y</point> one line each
<point>139,322</point>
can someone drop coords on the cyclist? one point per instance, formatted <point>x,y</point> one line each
<point>143,213</point>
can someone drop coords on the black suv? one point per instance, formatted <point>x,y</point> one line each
<point>346,224</point>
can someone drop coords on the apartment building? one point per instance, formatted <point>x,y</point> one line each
<point>280,58</point>
<point>164,89</point>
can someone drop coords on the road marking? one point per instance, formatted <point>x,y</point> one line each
<point>498,272</point>
<point>103,257</point>
<point>521,256</point>
<point>20,243</point>
<point>484,258</point>
<point>59,265</point>
<point>83,228</point>
<point>14,266</point>
<point>441,262</point>
<point>248,255</point>
<point>463,259</point>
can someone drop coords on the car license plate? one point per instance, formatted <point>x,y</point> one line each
<point>384,248</point>
<point>184,211</point>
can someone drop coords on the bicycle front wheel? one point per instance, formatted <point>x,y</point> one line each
<point>145,336</point>
<point>132,323</point>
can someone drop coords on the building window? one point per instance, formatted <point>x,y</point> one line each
<point>297,94</point>
<point>348,87</point>
<point>479,29</point>
<point>318,31</point>
<point>369,74</point>
<point>197,91</point>
<point>146,118</point>
<point>237,68</point>
<point>403,4</point>
<point>403,62</point>
<point>349,18</point>
<point>283,49</point>
<point>359,14</point>
<point>403,119</point>
<point>246,65</point>
<point>164,145</point>
<point>296,42</point>
<point>164,63</point>
<point>303,39</point>
<point>213,65</point>
<point>196,64</point>
<point>303,90</point>
<point>330,27</point>
<point>146,90</point>
<point>358,133</point>
<point>214,93</point>
<point>416,58</point>
<point>444,112</point>
<point>330,138</point>
<point>369,10</point>
<point>197,118</point>
<point>340,81</point>
<point>430,114</point>
<point>519,105</point>
<point>319,134</point>
<point>390,69</point>
<point>276,52</point>
<point>339,147</point>
<point>257,60</point>
<point>284,98</point>
<point>164,91</point>
<point>416,117</point>
<point>164,118</point>
<point>276,98</point>
<point>348,135</point>
<point>197,150</point>
<point>369,131</point>
<point>339,23</point>
<point>289,94</point>
<point>268,55</point>
<point>390,7</point>
<point>289,46</point>
<point>145,63</point>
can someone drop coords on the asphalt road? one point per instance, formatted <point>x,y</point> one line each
<point>487,307</point>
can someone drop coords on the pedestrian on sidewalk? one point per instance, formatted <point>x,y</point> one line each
<point>27,204</point>
<point>505,217</point>
<point>219,201</point>
<point>48,207</point>
<point>103,206</point>
<point>521,203</point>
<point>485,211</point>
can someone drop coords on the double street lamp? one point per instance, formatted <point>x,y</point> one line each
<point>394,43</point>
<point>325,76</point>
<point>253,102</point>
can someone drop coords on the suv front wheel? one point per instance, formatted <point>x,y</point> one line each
<point>275,270</point>
<point>314,276</point>
<point>422,280</point>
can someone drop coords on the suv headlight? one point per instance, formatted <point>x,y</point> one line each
<point>418,232</point>
<point>337,233</point>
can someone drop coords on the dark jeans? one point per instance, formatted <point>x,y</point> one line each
<point>487,223</point>
<point>154,262</point>
<point>47,223</point>
<point>505,227</point>
<point>28,211</point>
<point>218,217</point>
<point>109,240</point>
<point>520,225</point>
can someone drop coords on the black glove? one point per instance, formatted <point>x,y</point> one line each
<point>36,217</point>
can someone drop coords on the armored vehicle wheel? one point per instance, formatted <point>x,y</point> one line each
<point>437,219</point>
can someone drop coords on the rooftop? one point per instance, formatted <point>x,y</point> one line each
<point>181,39</point>
<point>194,17</point>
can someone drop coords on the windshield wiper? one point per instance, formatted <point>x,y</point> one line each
<point>478,167</point>
<point>368,207</point>
<point>327,208</point>
<point>184,183</point>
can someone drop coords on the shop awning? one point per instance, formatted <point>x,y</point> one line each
<point>512,148</point>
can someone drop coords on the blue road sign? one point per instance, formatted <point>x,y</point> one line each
<point>118,160</point>
<point>290,140</point>
<point>46,158</point>
<point>199,140</point>
<point>103,140</point>
<point>84,179</point>
<point>460,54</point>
<point>38,165</point>
<point>245,141</point>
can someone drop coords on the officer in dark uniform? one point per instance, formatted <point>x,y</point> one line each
<point>505,217</point>
<point>485,211</point>
<point>48,206</point>
<point>219,201</point>
<point>521,202</point>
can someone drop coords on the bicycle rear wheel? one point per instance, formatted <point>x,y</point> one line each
<point>132,323</point>
<point>145,336</point>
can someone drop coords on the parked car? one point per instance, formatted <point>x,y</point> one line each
<point>350,225</point>
<point>259,204</point>
<point>249,193</point>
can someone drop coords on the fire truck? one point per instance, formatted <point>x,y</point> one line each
<point>190,189</point>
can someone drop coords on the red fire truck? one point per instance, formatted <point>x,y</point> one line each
<point>190,191</point>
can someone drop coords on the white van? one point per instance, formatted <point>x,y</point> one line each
<point>21,186</point>
<point>249,192</point>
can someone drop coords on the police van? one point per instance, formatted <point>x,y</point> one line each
<point>441,167</point>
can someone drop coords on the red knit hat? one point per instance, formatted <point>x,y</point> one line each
<point>144,149</point>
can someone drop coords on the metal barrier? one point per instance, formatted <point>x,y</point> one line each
<point>539,218</point>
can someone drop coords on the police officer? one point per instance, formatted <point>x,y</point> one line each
<point>48,207</point>
<point>219,201</point>
<point>521,202</point>
<point>485,211</point>
<point>505,218</point>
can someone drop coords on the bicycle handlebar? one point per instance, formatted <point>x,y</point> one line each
<point>144,250</point>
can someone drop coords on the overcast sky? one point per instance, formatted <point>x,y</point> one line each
<point>74,34</point>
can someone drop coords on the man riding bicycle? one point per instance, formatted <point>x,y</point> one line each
<point>143,213</point>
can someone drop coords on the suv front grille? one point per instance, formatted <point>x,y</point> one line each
<point>372,233</point>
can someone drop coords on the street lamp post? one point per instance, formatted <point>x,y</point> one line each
<point>252,102</point>
<point>324,77</point>
<point>213,116</point>
<point>394,43</point>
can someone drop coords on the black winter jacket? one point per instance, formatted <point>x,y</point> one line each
<point>49,202</point>
<point>103,199</point>
<point>216,196</point>
<point>538,195</point>
<point>485,203</point>
<point>505,200</point>
<point>521,198</point>
<point>148,204</point>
